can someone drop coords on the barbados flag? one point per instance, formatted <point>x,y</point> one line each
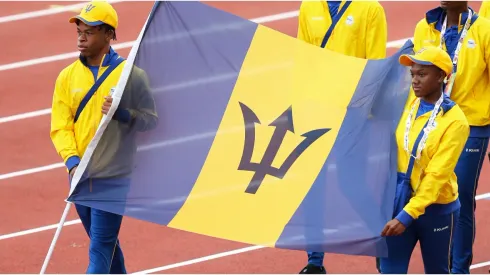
<point>260,138</point>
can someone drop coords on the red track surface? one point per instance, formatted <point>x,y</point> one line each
<point>36,200</point>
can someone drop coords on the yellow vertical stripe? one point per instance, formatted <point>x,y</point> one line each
<point>318,85</point>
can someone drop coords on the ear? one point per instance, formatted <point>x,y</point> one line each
<point>108,35</point>
<point>442,76</point>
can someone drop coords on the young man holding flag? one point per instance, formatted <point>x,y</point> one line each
<point>353,28</point>
<point>465,36</point>
<point>82,96</point>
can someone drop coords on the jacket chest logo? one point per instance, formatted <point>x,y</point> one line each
<point>349,21</point>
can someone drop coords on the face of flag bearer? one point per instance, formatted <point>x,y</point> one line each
<point>93,39</point>
<point>427,81</point>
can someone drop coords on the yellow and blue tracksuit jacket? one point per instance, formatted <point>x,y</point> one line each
<point>433,181</point>
<point>361,31</point>
<point>136,110</point>
<point>485,9</point>
<point>471,90</point>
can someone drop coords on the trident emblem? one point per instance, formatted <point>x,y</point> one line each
<point>89,8</point>
<point>282,124</point>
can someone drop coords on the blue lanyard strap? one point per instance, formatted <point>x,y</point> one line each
<point>335,20</point>
<point>113,64</point>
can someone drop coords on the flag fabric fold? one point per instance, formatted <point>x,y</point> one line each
<point>257,137</point>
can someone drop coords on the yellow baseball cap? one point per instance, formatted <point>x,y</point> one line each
<point>430,55</point>
<point>97,13</point>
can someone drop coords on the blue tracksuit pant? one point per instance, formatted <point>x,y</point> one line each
<point>434,230</point>
<point>434,233</point>
<point>468,172</point>
<point>105,254</point>
<point>316,258</point>
<point>102,227</point>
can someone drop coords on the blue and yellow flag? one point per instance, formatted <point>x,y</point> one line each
<point>243,133</point>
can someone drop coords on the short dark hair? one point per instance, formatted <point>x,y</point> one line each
<point>107,28</point>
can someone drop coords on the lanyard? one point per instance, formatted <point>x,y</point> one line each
<point>431,125</point>
<point>113,65</point>
<point>335,20</point>
<point>450,79</point>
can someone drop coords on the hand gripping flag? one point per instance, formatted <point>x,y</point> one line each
<point>243,133</point>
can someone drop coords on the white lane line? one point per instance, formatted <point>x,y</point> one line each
<point>230,253</point>
<point>252,248</point>
<point>256,247</point>
<point>188,262</point>
<point>53,58</point>
<point>201,259</point>
<point>480,265</point>
<point>77,221</point>
<point>45,12</point>
<point>37,230</point>
<point>118,46</point>
<point>396,43</point>
<point>175,265</point>
<point>129,44</point>
<point>482,196</point>
<point>31,171</point>
<point>56,10</point>
<point>260,20</point>
<point>391,44</point>
<point>25,115</point>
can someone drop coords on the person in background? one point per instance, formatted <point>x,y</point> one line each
<point>485,9</point>
<point>465,36</point>
<point>82,96</point>
<point>353,28</point>
<point>431,135</point>
<point>485,12</point>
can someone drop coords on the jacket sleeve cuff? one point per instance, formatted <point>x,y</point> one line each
<point>72,162</point>
<point>405,218</point>
<point>122,115</point>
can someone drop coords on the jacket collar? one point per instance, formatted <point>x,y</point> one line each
<point>106,60</point>
<point>447,104</point>
<point>436,17</point>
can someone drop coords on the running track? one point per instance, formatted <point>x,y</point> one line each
<point>32,200</point>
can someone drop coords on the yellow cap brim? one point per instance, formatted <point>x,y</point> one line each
<point>406,60</point>
<point>87,20</point>
<point>409,60</point>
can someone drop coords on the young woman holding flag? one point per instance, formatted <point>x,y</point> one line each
<point>431,135</point>
<point>465,36</point>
